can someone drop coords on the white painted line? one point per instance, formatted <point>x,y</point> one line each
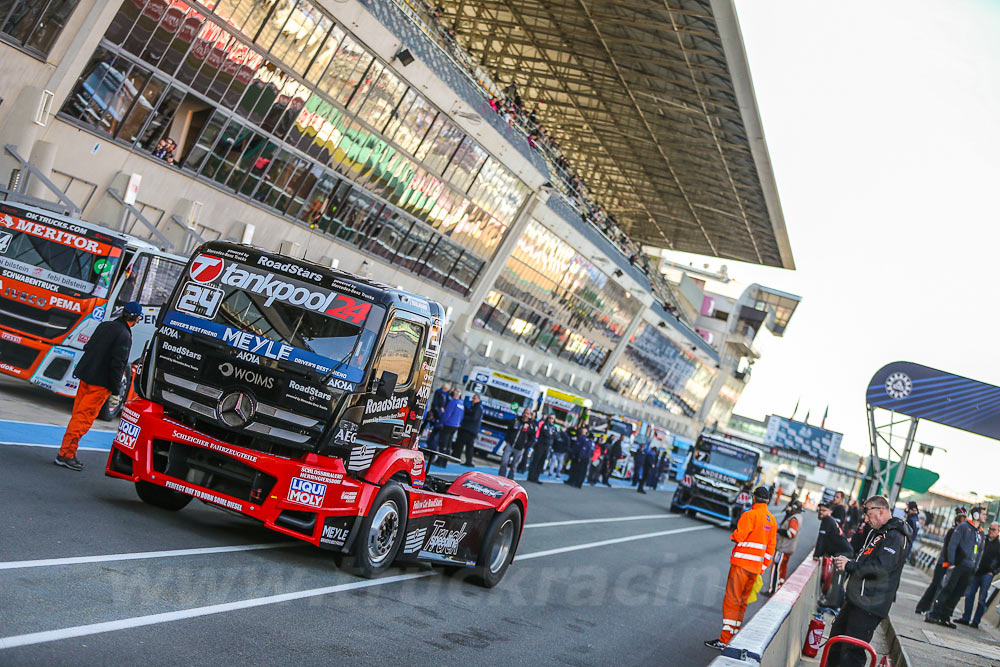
<point>167,617</point>
<point>552,524</point>
<point>38,444</point>
<point>603,543</point>
<point>139,555</point>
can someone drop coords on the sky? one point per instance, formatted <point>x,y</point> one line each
<point>883,124</point>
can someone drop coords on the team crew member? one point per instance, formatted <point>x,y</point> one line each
<point>755,537</point>
<point>988,566</point>
<point>467,431</point>
<point>611,456</point>
<point>100,372</point>
<point>962,558</point>
<point>839,509</point>
<point>451,419</point>
<point>831,542</point>
<point>543,442</point>
<point>873,578</point>
<point>788,539</point>
<point>941,567</point>
<point>520,438</point>
<point>560,445</point>
<point>580,451</point>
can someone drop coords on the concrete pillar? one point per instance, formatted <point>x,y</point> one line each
<point>726,368</point>
<point>495,265</point>
<point>19,129</point>
<point>86,27</point>
<point>43,158</point>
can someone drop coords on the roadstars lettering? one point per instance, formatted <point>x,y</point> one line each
<point>388,405</point>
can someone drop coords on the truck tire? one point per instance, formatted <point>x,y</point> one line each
<point>158,496</point>
<point>674,505</point>
<point>381,532</point>
<point>112,407</point>
<point>498,548</point>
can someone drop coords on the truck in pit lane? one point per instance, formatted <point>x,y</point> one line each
<point>719,475</point>
<point>292,393</point>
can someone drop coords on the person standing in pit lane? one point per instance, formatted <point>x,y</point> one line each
<point>989,564</point>
<point>543,443</point>
<point>100,371</point>
<point>873,578</point>
<point>756,538</point>
<point>451,419</point>
<point>520,438</point>
<point>830,542</point>
<point>581,450</point>
<point>964,551</point>
<point>611,456</point>
<point>838,509</point>
<point>469,429</point>
<point>940,568</point>
<point>788,539</point>
<point>560,445</point>
<point>434,413</point>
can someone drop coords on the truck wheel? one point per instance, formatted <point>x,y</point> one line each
<point>161,497</point>
<point>381,532</point>
<point>674,505</point>
<point>112,407</point>
<point>498,547</point>
<point>690,512</point>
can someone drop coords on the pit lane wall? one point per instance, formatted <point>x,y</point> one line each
<point>774,636</point>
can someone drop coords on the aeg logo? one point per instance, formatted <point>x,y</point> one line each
<point>205,268</point>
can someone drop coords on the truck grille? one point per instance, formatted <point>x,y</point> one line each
<point>211,470</point>
<point>48,324</point>
<point>194,402</point>
<point>16,355</point>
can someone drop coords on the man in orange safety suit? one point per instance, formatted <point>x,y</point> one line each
<point>755,537</point>
<point>100,372</point>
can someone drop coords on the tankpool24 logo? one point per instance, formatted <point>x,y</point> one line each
<point>898,385</point>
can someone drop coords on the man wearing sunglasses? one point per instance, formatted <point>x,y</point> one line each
<point>873,580</point>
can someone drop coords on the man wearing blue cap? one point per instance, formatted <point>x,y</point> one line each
<point>100,372</point>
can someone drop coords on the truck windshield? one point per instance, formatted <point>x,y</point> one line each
<point>739,462</point>
<point>335,340</point>
<point>500,396</point>
<point>63,258</point>
<point>620,428</point>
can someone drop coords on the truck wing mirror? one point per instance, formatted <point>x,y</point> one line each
<point>386,384</point>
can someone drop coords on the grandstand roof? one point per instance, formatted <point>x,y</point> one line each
<point>652,103</point>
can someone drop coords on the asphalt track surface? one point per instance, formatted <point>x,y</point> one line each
<point>91,575</point>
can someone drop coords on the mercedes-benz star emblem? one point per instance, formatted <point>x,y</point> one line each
<point>236,409</point>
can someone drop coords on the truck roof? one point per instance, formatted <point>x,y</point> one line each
<point>335,279</point>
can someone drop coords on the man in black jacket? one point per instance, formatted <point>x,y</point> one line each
<point>989,564</point>
<point>940,568</point>
<point>546,433</point>
<point>611,456</point>
<point>839,509</point>
<point>469,429</point>
<point>873,578</point>
<point>100,372</point>
<point>962,557</point>
<point>520,438</point>
<point>831,542</point>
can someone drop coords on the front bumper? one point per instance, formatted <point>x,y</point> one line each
<point>310,498</point>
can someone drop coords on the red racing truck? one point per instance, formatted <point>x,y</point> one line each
<point>293,394</point>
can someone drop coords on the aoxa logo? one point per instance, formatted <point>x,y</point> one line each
<point>205,268</point>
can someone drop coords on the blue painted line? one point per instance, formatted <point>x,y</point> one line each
<point>46,435</point>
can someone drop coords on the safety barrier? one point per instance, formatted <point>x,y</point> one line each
<point>774,635</point>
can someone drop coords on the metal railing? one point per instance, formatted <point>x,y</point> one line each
<point>130,210</point>
<point>19,181</point>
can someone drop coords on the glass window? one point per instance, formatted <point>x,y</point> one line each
<point>201,155</point>
<point>465,273</point>
<point>441,261</point>
<point>141,110</point>
<point>121,24</point>
<point>159,281</point>
<point>262,93</point>
<point>132,281</point>
<point>382,99</point>
<point>317,203</point>
<point>399,353</point>
<point>244,15</point>
<point>301,36</point>
<point>465,165</point>
<point>414,118</point>
<point>98,86</point>
<point>441,142</point>
<point>246,62</point>
<point>389,231</point>
<point>345,70</point>
<point>330,45</point>
<point>414,249</point>
<point>182,41</point>
<point>160,120</point>
<point>275,22</point>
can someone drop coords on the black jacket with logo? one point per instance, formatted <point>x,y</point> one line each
<point>831,540</point>
<point>521,434</point>
<point>965,546</point>
<point>990,561</point>
<point>472,418</point>
<point>105,355</point>
<point>546,433</point>
<point>874,574</point>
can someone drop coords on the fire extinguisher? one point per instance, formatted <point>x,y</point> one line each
<point>814,637</point>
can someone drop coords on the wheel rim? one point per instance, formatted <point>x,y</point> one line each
<point>502,544</point>
<point>382,534</point>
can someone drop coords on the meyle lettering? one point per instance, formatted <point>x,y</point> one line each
<point>288,267</point>
<point>312,391</point>
<point>264,347</point>
<point>333,535</point>
<point>183,351</point>
<point>306,492</point>
<point>393,404</point>
<point>444,541</point>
